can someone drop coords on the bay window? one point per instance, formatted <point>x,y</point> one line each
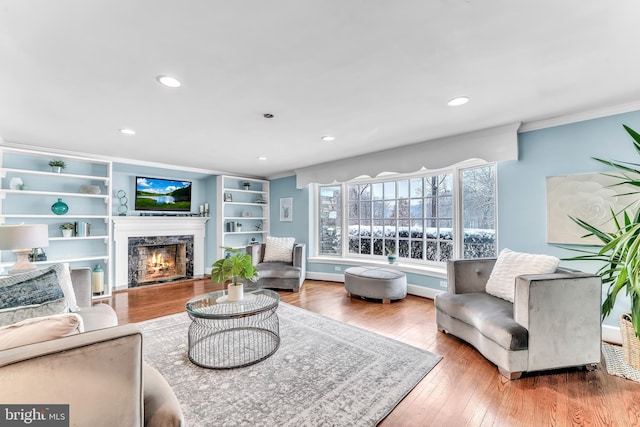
<point>424,217</point>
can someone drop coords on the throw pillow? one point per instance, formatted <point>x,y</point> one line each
<point>511,264</point>
<point>30,294</point>
<point>278,249</point>
<point>40,329</point>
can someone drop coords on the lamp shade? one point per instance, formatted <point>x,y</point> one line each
<point>24,236</point>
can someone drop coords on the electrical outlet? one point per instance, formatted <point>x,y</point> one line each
<point>443,283</point>
<point>338,268</point>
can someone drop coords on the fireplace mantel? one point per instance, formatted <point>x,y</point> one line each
<point>125,227</point>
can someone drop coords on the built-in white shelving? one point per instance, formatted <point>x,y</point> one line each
<point>31,203</point>
<point>249,207</point>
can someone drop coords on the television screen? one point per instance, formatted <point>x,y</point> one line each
<point>157,194</point>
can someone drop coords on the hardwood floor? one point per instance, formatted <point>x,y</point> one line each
<point>464,389</point>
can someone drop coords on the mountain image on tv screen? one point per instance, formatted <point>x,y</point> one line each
<point>156,194</point>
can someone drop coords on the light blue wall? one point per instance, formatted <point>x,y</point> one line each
<point>300,226</point>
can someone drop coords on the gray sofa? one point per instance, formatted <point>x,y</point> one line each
<point>100,373</point>
<point>280,275</point>
<point>554,321</point>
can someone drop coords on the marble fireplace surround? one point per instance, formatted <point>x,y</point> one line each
<point>125,227</point>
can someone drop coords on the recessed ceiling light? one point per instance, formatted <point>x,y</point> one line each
<point>457,101</point>
<point>169,81</point>
<point>127,131</point>
<point>328,138</point>
<point>262,158</point>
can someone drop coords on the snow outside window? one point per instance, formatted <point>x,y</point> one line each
<point>415,216</point>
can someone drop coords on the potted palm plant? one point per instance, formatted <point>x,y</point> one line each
<point>620,254</point>
<point>236,266</point>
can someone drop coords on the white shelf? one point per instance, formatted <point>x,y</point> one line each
<point>69,239</point>
<point>42,216</point>
<point>3,173</point>
<point>54,194</point>
<point>103,258</point>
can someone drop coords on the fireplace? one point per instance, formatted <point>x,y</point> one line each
<point>159,259</point>
<point>157,230</point>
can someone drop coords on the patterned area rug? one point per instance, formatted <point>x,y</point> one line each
<point>614,359</point>
<point>325,373</point>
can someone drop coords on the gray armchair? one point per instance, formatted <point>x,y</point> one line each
<point>280,275</point>
<point>554,321</point>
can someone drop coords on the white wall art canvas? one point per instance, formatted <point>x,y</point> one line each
<point>589,197</point>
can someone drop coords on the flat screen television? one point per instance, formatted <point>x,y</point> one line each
<point>158,194</point>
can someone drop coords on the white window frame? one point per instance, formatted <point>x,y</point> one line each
<point>457,223</point>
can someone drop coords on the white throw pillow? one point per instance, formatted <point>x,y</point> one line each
<point>278,249</point>
<point>64,279</point>
<point>38,329</point>
<point>511,264</point>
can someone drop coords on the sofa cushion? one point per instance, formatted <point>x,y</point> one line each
<point>490,315</point>
<point>32,294</point>
<point>279,249</point>
<point>511,264</point>
<point>278,270</point>
<point>38,329</point>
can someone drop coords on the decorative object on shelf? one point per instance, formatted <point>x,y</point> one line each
<point>67,229</point>
<point>228,197</point>
<point>246,185</point>
<point>286,209</point>
<point>15,183</point>
<point>37,254</point>
<point>122,197</point>
<point>238,227</point>
<point>236,265</point>
<point>391,255</point>
<point>21,239</point>
<point>59,207</point>
<point>57,165</point>
<point>97,280</point>
<point>90,189</point>
<point>83,228</point>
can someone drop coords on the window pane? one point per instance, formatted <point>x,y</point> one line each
<point>403,189</point>
<point>390,209</point>
<point>330,220</point>
<point>416,208</point>
<point>416,187</point>
<point>389,190</point>
<point>376,191</point>
<point>478,212</point>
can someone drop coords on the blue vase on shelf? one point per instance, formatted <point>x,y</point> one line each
<point>59,207</point>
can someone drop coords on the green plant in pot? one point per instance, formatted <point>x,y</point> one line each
<point>620,254</point>
<point>57,165</point>
<point>235,266</point>
<point>391,255</point>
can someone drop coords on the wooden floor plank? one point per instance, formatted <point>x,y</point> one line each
<point>464,389</point>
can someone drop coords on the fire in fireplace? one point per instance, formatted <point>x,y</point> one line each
<point>160,259</point>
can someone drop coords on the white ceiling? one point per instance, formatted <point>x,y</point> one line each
<point>376,74</point>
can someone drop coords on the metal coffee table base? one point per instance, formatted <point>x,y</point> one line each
<point>231,343</point>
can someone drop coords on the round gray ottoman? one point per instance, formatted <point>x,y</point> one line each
<point>377,283</point>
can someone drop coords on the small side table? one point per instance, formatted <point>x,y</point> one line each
<point>226,335</point>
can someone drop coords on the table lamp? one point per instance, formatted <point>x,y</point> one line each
<point>21,239</point>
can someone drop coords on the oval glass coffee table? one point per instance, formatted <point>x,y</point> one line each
<point>225,335</point>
